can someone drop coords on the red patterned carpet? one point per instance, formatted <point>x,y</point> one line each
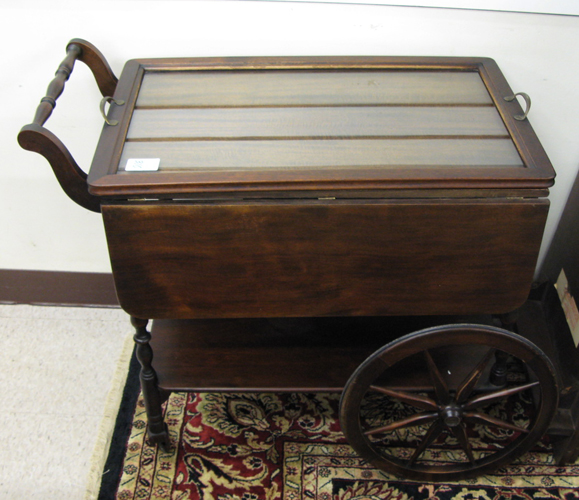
<point>231,446</point>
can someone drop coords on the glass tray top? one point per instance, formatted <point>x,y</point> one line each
<point>218,120</point>
<point>315,125</point>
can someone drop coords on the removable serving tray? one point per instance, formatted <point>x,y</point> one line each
<point>316,125</point>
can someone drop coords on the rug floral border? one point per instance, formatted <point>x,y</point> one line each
<point>232,446</point>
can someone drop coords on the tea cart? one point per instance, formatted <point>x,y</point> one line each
<point>360,224</point>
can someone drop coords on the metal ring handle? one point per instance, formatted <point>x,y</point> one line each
<point>109,99</point>
<point>527,103</point>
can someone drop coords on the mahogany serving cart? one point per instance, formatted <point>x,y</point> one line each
<point>352,224</point>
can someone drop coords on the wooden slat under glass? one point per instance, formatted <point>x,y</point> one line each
<point>279,119</point>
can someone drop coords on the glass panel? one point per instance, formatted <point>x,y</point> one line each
<point>302,87</point>
<point>213,155</point>
<point>315,122</point>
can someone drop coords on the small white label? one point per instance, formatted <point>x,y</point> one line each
<point>143,164</point>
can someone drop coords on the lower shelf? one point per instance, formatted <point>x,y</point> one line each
<point>320,354</point>
<point>294,354</point>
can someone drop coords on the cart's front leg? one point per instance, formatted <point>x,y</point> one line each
<point>498,375</point>
<point>157,429</point>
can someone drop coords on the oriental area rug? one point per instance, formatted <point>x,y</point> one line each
<point>266,446</point>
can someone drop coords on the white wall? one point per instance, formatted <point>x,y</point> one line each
<point>568,7</point>
<point>42,229</point>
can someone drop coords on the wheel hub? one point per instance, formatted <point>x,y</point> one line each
<point>451,415</point>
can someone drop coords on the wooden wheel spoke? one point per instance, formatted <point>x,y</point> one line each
<point>432,433</point>
<point>491,397</point>
<point>459,433</point>
<point>469,383</point>
<point>418,419</point>
<point>481,418</point>
<point>440,387</point>
<point>416,400</point>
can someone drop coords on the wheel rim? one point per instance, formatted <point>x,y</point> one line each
<point>421,406</point>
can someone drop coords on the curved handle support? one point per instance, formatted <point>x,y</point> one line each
<point>34,137</point>
<point>72,179</point>
<point>92,57</point>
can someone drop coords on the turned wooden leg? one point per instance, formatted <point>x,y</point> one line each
<point>157,429</point>
<point>499,370</point>
<point>498,375</point>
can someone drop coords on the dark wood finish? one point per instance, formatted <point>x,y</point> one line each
<point>325,258</point>
<point>157,429</point>
<point>70,176</point>
<point>57,288</point>
<point>440,359</point>
<point>563,256</point>
<point>349,194</point>
<point>522,133</point>
<point>113,138</point>
<point>34,137</point>
<point>315,184</point>
<point>56,86</point>
<point>94,59</point>
<point>542,321</point>
<point>279,354</point>
<point>499,370</point>
<point>274,354</point>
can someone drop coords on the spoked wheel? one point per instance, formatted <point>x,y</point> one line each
<point>422,407</point>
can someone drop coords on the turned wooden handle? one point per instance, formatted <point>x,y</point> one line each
<point>34,137</point>
<point>92,57</point>
<point>56,86</point>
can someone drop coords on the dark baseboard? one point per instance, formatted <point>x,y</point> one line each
<point>57,288</point>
